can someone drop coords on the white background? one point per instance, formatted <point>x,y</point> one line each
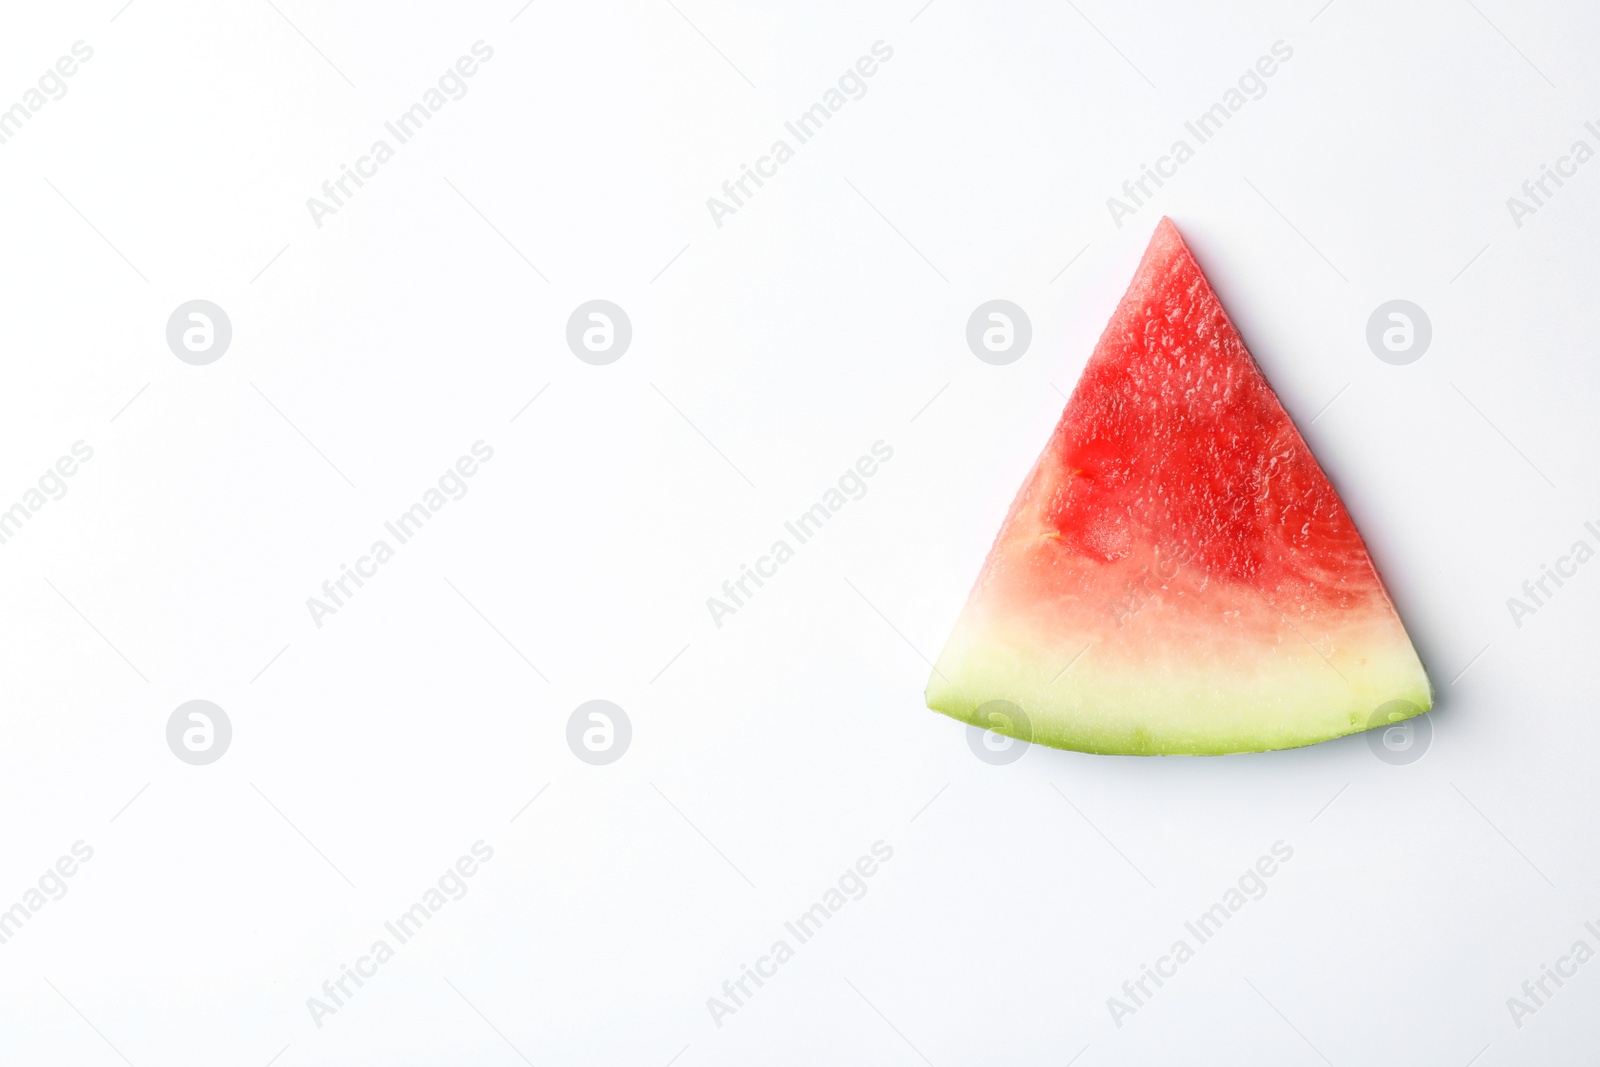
<point>769,354</point>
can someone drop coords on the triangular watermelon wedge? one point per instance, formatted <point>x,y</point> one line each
<point>1176,574</point>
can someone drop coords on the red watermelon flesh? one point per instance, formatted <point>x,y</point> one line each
<point>1176,574</point>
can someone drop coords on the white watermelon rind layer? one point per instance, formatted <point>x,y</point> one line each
<point>1280,694</point>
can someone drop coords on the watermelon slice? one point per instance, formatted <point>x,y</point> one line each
<point>1176,574</point>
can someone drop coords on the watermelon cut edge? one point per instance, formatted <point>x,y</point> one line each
<point>1176,575</point>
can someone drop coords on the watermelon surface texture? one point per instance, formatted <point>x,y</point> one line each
<point>1176,574</point>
